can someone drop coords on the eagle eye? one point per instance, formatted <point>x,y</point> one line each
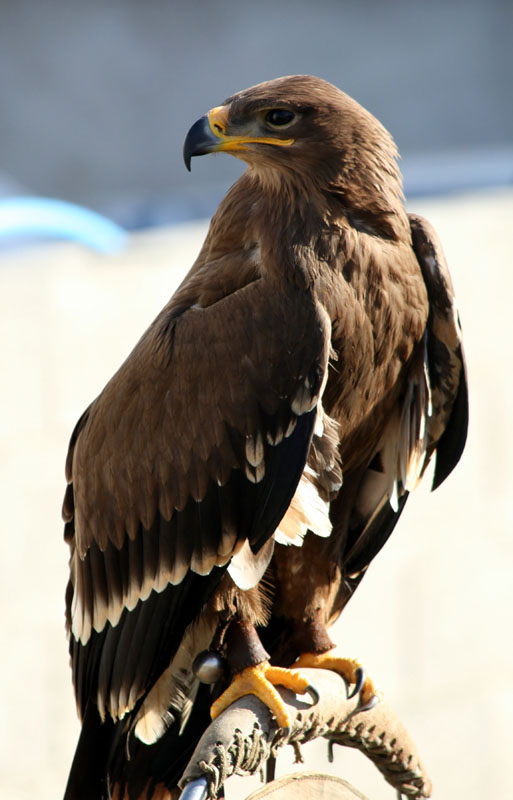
<point>279,117</point>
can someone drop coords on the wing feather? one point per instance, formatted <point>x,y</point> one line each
<point>177,463</point>
<point>430,417</point>
<point>445,357</point>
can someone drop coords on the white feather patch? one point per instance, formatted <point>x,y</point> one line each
<point>246,568</point>
<point>255,474</point>
<point>254,449</point>
<point>307,511</point>
<point>156,713</point>
<point>319,421</point>
<point>304,399</point>
<point>413,429</point>
<point>290,427</point>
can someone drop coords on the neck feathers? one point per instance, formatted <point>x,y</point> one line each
<point>289,218</point>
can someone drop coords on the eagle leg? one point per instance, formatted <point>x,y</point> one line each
<point>352,672</point>
<point>255,675</point>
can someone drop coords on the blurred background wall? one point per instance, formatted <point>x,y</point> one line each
<point>96,97</point>
<point>95,100</point>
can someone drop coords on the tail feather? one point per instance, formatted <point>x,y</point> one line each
<point>88,775</point>
<point>110,763</point>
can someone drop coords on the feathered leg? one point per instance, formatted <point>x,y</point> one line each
<point>309,588</point>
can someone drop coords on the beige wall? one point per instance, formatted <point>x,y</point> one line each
<point>432,620</point>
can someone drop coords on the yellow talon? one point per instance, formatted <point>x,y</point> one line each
<point>260,680</point>
<point>348,668</point>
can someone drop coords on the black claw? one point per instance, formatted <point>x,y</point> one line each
<point>331,757</point>
<point>368,705</point>
<point>314,694</point>
<point>365,707</point>
<point>360,680</point>
<point>284,733</point>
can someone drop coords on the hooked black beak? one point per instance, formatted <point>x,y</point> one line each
<point>210,135</point>
<point>199,141</point>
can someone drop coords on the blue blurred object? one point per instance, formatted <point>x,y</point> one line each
<point>35,217</point>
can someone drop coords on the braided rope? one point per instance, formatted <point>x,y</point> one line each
<point>245,755</point>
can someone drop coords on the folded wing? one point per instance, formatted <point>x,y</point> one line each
<point>192,452</point>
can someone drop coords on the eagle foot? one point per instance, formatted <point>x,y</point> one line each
<point>260,680</point>
<point>351,671</point>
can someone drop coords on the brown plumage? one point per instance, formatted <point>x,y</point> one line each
<point>311,356</point>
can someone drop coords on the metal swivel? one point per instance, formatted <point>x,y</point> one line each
<point>209,666</point>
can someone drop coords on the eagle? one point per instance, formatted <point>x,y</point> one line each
<point>230,485</point>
